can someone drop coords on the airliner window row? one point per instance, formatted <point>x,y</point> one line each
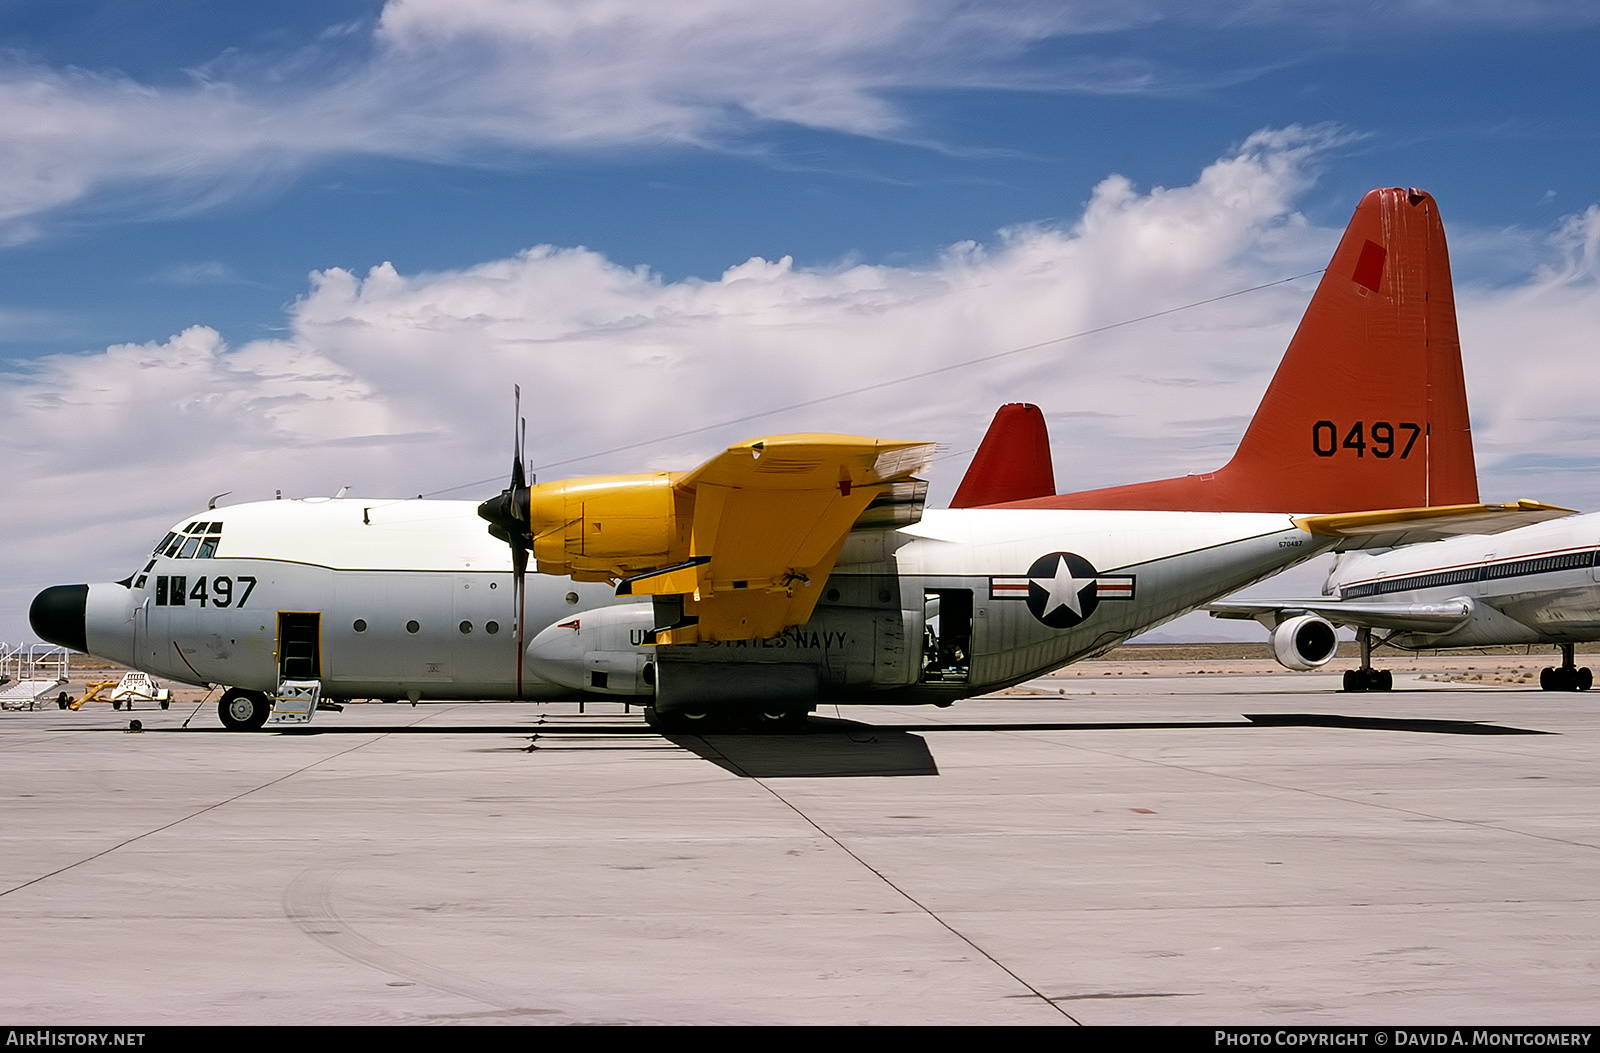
<point>1513,568</point>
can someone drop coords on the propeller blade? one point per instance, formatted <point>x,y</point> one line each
<point>507,516</point>
<point>519,435</point>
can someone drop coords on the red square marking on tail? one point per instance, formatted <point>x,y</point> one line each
<point>1369,268</point>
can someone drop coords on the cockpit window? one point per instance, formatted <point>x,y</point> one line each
<point>192,541</point>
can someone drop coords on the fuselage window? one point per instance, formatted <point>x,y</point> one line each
<point>491,627</point>
<point>413,627</point>
<point>466,627</point>
<point>572,597</point>
<point>360,626</point>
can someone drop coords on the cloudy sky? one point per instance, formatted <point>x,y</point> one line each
<point>296,247</point>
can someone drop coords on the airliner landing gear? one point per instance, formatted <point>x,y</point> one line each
<point>1566,676</point>
<point>243,710</point>
<point>1367,678</point>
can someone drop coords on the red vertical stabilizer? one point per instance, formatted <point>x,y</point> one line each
<point>1012,462</point>
<point>1368,408</point>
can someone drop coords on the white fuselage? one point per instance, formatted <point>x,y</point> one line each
<point>1535,584</point>
<point>414,599</point>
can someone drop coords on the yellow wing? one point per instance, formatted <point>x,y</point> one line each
<point>745,540</point>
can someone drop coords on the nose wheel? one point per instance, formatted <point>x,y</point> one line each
<point>243,710</point>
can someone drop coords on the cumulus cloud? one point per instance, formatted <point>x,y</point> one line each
<point>398,384</point>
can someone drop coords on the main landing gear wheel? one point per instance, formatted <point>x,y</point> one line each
<point>1563,679</point>
<point>243,710</point>
<point>1368,680</point>
<point>679,723</point>
<point>1567,676</point>
<point>783,720</point>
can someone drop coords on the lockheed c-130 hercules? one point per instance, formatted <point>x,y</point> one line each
<point>800,569</point>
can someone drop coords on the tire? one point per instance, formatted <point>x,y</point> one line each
<point>783,721</point>
<point>1562,679</point>
<point>1585,678</point>
<point>1368,680</point>
<point>243,710</point>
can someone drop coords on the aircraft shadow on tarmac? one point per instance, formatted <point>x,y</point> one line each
<point>825,749</point>
<point>830,747</point>
<point>844,748</point>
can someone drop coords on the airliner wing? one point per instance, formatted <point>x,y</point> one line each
<point>1407,526</point>
<point>1406,617</point>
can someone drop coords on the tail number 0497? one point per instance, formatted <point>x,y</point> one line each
<point>1381,438</point>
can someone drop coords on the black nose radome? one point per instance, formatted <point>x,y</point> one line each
<point>57,615</point>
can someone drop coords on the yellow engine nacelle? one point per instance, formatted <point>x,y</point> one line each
<point>609,526</point>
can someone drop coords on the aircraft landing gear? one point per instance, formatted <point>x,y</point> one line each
<point>1367,678</point>
<point>783,720</point>
<point>680,723</point>
<point>243,710</point>
<point>1567,676</point>
<point>726,722</point>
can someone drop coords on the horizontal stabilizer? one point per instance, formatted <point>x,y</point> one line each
<point>1406,526</point>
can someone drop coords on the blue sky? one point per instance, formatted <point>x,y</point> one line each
<point>194,196</point>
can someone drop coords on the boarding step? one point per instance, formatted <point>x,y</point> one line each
<point>25,694</point>
<point>295,701</point>
<point>29,671</point>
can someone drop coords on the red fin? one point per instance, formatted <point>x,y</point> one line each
<point>1368,408</point>
<point>1012,462</point>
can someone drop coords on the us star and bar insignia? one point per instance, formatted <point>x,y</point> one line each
<point>1062,589</point>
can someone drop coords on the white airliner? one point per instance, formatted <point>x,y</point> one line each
<point>1534,585</point>
<point>870,600</point>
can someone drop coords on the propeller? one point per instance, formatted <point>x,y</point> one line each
<point>507,516</point>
